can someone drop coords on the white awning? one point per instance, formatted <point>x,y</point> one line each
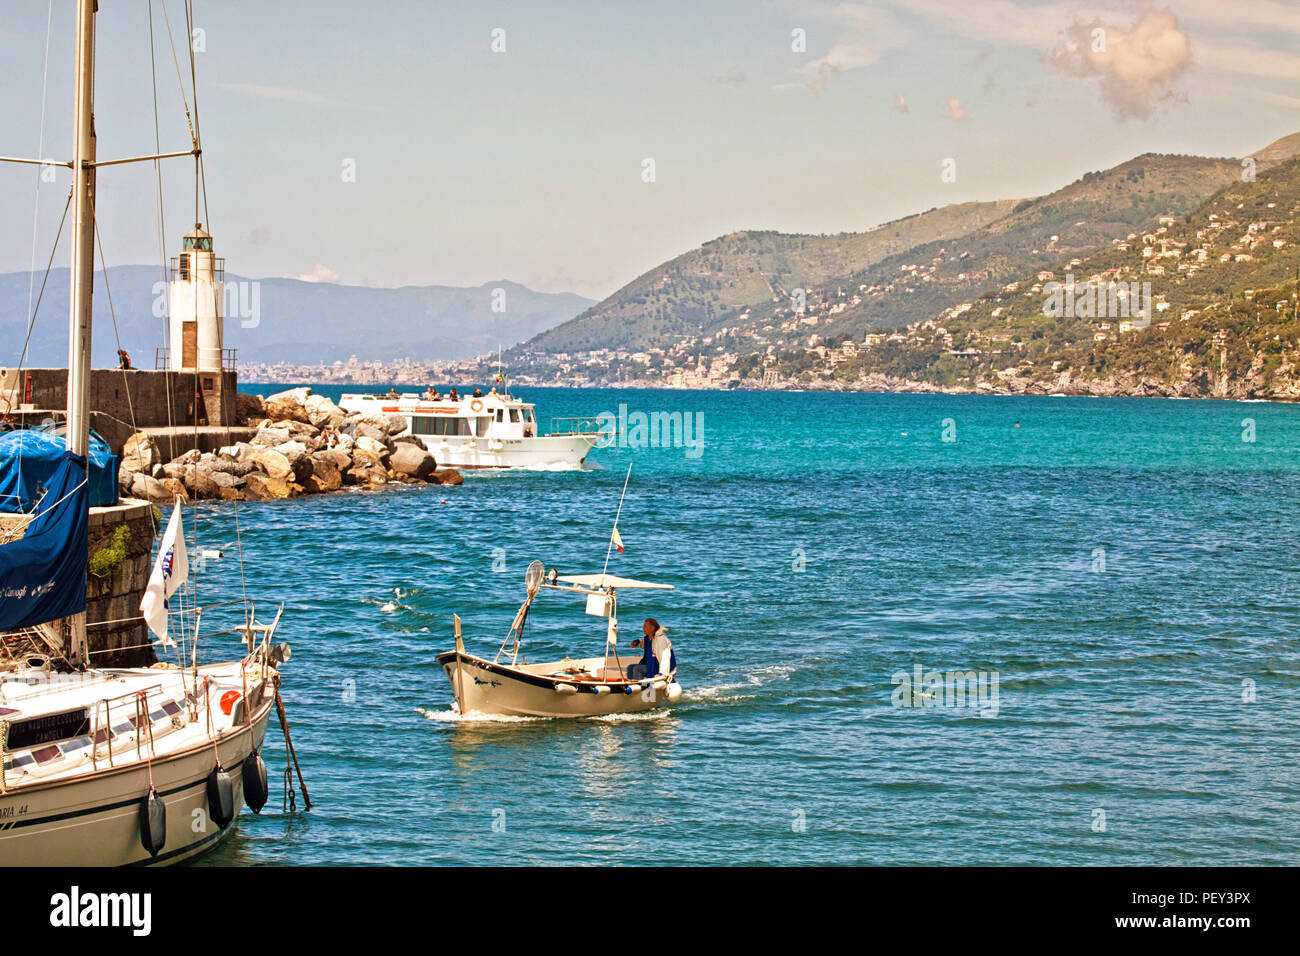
<point>609,581</point>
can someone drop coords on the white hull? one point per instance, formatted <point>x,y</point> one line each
<point>530,690</point>
<point>88,813</point>
<point>567,451</point>
<point>95,821</point>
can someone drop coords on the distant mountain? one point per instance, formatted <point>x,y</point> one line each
<point>298,322</point>
<point>713,284</point>
<point>899,273</point>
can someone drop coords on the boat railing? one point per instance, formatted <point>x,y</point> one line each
<point>593,425</point>
<point>141,700</point>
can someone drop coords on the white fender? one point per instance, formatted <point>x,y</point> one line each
<point>674,690</point>
<point>565,689</point>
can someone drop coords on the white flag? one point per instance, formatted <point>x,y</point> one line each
<point>170,571</point>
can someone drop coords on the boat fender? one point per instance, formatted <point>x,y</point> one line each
<point>602,689</point>
<point>633,688</point>
<point>221,796</point>
<point>153,822</point>
<point>565,689</point>
<point>627,688</point>
<point>674,690</point>
<point>255,787</point>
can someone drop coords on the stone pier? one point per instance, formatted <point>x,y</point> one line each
<point>116,635</point>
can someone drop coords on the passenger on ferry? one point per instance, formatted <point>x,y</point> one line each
<point>430,394</point>
<point>392,393</point>
<point>478,393</point>
<point>453,396</point>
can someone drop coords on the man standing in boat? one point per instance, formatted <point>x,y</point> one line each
<point>657,652</point>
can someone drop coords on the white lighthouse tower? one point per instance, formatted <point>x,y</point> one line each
<point>196,298</point>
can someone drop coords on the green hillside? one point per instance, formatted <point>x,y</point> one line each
<point>713,284</point>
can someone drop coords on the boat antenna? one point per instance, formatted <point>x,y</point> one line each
<point>618,515</point>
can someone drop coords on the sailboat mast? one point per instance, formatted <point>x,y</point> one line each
<point>83,267</point>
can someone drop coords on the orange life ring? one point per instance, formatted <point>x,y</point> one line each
<point>476,405</point>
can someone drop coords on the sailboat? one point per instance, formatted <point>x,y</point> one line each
<point>111,766</point>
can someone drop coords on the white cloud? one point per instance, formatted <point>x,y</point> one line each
<point>319,274</point>
<point>861,34</point>
<point>1136,67</point>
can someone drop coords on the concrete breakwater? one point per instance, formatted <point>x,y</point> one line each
<point>303,444</point>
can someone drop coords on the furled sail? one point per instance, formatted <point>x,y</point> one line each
<point>43,573</point>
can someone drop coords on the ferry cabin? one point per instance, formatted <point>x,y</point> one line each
<point>479,431</point>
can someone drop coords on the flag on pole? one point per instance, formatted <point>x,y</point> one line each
<point>170,571</point>
<point>618,540</point>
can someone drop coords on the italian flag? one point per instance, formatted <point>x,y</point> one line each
<point>618,540</point>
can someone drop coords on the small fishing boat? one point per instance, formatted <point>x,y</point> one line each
<point>584,687</point>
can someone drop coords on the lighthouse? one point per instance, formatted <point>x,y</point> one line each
<point>196,296</point>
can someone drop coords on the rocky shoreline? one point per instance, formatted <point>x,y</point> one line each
<point>288,456</point>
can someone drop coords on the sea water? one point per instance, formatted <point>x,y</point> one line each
<point>1119,573</point>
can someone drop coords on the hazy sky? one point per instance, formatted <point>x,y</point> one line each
<point>473,165</point>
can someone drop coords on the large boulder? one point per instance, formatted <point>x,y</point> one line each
<point>140,453</point>
<point>198,482</point>
<point>224,479</point>
<point>270,435</point>
<point>299,460</point>
<point>413,461</point>
<point>371,448</point>
<point>367,430</point>
<point>275,464</point>
<point>341,458</point>
<point>326,474</point>
<point>232,467</point>
<point>288,406</point>
<point>147,488</point>
<point>260,486</point>
<point>174,489</point>
<point>448,476</point>
<point>249,408</point>
<point>321,411</point>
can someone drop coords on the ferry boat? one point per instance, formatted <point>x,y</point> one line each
<point>495,430</point>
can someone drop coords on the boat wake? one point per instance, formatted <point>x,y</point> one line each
<point>743,689</point>
<point>394,605</point>
<point>474,717</point>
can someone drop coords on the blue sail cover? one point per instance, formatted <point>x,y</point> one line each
<point>43,573</point>
<point>30,457</point>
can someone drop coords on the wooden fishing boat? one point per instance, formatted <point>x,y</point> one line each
<point>584,687</point>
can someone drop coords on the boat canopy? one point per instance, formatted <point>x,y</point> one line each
<point>609,581</point>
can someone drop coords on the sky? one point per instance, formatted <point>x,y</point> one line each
<point>393,143</point>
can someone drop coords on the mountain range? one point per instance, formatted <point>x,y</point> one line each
<point>285,320</point>
<point>904,271</point>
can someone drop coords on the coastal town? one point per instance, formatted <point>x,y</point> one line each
<point>1018,337</point>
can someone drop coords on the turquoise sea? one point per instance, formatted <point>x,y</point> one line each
<point>1122,571</point>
